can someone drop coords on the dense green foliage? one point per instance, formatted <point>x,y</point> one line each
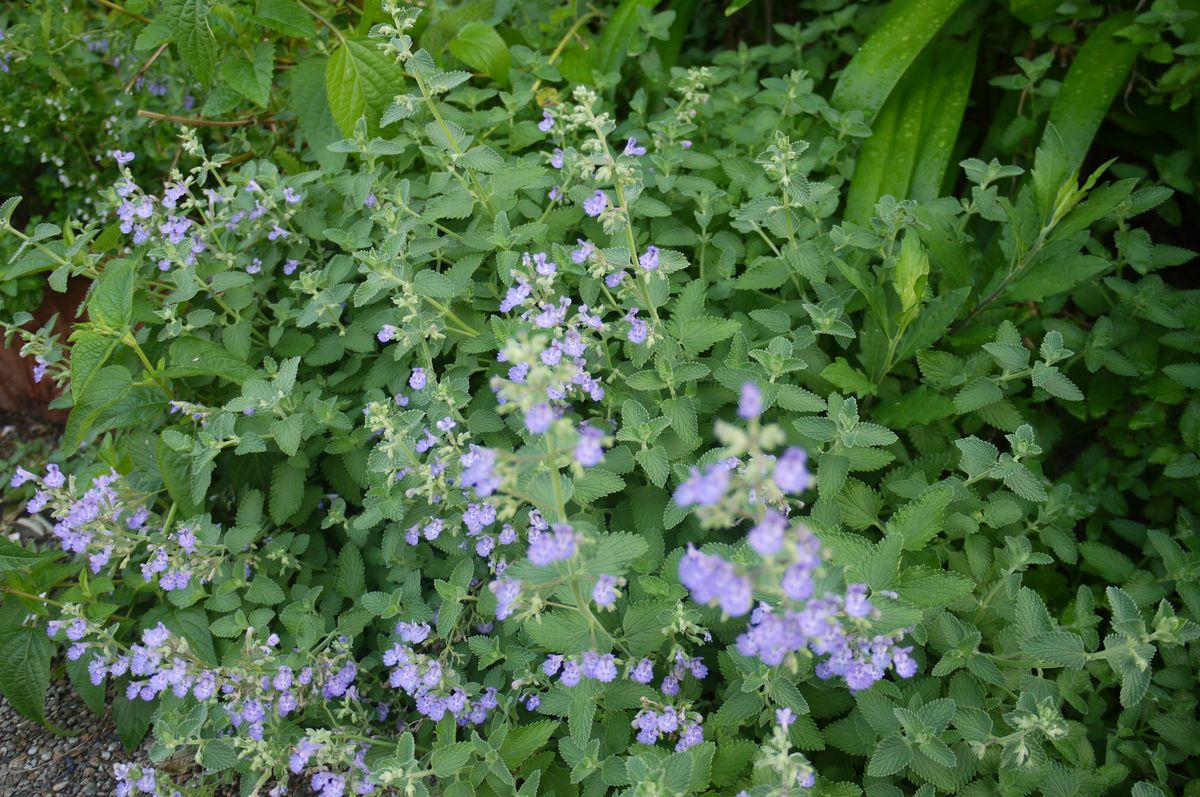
<point>504,321</point>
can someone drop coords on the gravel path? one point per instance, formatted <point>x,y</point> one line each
<point>36,763</point>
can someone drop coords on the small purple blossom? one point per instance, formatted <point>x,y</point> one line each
<point>479,470</point>
<point>604,593</point>
<point>691,736</point>
<point>791,471</point>
<point>556,545</point>
<point>589,451</point>
<point>596,205</point>
<point>649,258</point>
<point>580,255</point>
<point>703,488</point>
<point>750,403</point>
<point>712,580</point>
<point>766,537</point>
<point>639,330</point>
<point>539,418</point>
<point>507,592</point>
<point>643,672</point>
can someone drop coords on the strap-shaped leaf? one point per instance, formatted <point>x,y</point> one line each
<point>913,135</point>
<point>1096,75</point>
<point>907,26</point>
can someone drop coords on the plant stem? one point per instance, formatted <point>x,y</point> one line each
<point>131,341</point>
<point>441,121</point>
<point>195,122</point>
<point>451,315</point>
<point>123,10</point>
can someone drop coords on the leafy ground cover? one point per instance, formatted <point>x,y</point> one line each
<point>633,399</point>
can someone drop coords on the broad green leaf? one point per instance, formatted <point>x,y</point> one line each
<point>16,557</point>
<point>595,484</point>
<point>192,356</point>
<point>287,491</point>
<point>903,31</point>
<point>1098,73</point>
<point>360,81</point>
<point>936,714</point>
<point>892,755</point>
<point>914,134</point>
<point>654,462</point>
<point>252,79</point>
<point>1060,648</point>
<point>563,631</point>
<point>188,20</point>
<point>978,456</point>
<point>288,433</point>
<point>6,209</point>
<point>111,302</point>
<point>25,670</point>
<point>479,46</point>
<point>106,387</point>
<point>264,590</point>
<point>919,521</point>
<point>643,624</point>
<point>927,587</point>
<point>524,740</point>
<point>1055,382</point>
<point>612,49</point>
<point>351,579</point>
<point>287,17</point>
<point>978,394</point>
<point>132,718</point>
<point>1054,275</point>
<point>613,553</point>
<point>218,755</point>
<point>307,99</point>
<point>1146,789</point>
<point>93,695</point>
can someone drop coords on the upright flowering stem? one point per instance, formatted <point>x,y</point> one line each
<point>622,204</point>
<point>130,341</point>
<point>556,479</point>
<point>475,187</point>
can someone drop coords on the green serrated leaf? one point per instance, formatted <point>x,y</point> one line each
<point>360,81</point>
